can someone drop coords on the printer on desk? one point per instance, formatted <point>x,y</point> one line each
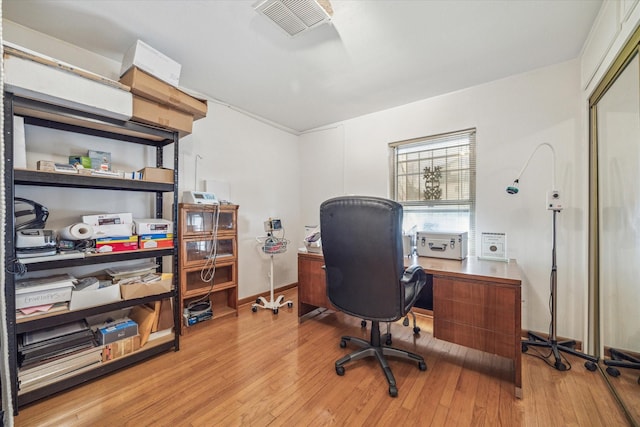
<point>442,245</point>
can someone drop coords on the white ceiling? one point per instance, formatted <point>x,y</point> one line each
<point>374,55</point>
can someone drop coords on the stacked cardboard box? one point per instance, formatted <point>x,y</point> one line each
<point>152,78</point>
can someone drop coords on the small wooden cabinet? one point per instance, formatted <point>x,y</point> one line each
<point>312,288</point>
<point>197,224</point>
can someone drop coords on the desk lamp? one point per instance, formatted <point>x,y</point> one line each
<point>554,204</point>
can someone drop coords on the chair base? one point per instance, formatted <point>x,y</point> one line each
<point>373,348</point>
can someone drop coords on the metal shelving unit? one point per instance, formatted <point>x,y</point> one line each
<point>45,115</point>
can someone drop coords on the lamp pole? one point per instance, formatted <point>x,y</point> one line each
<point>555,205</point>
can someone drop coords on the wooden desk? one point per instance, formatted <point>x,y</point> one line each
<point>476,303</point>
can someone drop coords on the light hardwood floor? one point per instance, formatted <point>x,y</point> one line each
<point>260,369</point>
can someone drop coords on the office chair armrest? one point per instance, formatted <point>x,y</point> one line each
<point>414,274</point>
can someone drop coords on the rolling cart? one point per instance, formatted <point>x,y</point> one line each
<point>272,245</point>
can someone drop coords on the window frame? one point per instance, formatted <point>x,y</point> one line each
<point>440,204</point>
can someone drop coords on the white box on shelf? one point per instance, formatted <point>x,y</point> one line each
<point>153,226</point>
<point>91,298</point>
<point>59,86</point>
<point>152,61</point>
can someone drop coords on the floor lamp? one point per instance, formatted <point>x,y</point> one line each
<point>554,204</point>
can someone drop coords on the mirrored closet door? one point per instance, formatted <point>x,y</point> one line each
<point>615,226</point>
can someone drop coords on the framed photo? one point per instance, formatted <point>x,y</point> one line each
<point>494,246</point>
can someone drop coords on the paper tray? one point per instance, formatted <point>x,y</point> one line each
<point>140,290</point>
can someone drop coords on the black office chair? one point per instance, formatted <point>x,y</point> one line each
<point>362,247</point>
<point>620,359</point>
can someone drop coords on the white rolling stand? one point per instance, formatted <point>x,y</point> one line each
<point>272,245</point>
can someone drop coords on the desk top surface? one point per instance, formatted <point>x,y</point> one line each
<point>472,267</point>
<point>469,268</point>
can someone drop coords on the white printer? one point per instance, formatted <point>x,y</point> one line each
<point>442,245</point>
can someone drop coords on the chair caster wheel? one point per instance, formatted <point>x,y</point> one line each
<point>363,323</point>
<point>613,371</point>
<point>416,331</point>
<point>254,308</point>
<point>560,366</point>
<point>590,366</point>
<point>525,348</point>
<point>340,370</point>
<point>343,343</point>
<point>257,300</point>
<point>405,322</point>
<point>275,310</point>
<point>290,304</point>
<point>422,366</point>
<point>388,341</point>
<point>393,391</point>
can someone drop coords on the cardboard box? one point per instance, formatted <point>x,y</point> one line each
<point>120,348</point>
<point>61,84</point>
<point>152,113</point>
<point>152,61</point>
<point>149,87</point>
<point>140,290</point>
<point>157,175</point>
<point>115,331</point>
<point>91,298</point>
<point>155,241</point>
<point>48,296</point>
<point>116,244</point>
<point>153,225</point>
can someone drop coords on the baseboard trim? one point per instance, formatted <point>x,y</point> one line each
<point>266,294</point>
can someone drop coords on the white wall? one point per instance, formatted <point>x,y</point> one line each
<point>512,116</point>
<point>258,161</point>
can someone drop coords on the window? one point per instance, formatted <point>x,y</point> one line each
<point>434,178</point>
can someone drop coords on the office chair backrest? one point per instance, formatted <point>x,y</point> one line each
<point>362,247</point>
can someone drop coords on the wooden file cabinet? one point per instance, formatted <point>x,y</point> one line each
<point>312,289</point>
<point>197,223</point>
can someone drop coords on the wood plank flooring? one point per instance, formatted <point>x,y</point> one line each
<point>261,369</point>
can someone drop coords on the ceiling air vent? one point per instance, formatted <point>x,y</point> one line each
<point>295,16</point>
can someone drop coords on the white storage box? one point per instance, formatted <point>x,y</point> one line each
<point>442,245</point>
<point>153,62</point>
<point>110,225</point>
<point>93,297</point>
<point>64,87</point>
<point>32,293</point>
<point>153,226</point>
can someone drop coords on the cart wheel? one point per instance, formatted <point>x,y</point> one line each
<point>275,310</point>
<point>613,371</point>
<point>422,366</point>
<point>290,304</point>
<point>590,365</point>
<point>254,308</point>
<point>416,330</point>
<point>393,391</point>
<point>340,370</point>
<point>343,343</point>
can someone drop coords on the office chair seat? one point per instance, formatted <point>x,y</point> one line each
<point>362,247</point>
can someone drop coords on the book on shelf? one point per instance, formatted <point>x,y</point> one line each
<point>60,366</point>
<point>39,384</point>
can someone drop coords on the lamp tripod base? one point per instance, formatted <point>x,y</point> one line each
<point>556,348</point>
